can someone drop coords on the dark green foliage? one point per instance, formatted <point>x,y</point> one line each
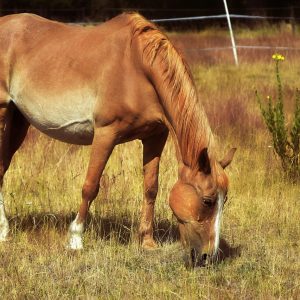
<point>286,142</point>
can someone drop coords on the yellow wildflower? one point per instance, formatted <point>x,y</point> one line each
<point>277,56</point>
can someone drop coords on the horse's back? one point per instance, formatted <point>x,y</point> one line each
<point>38,52</point>
<point>19,29</point>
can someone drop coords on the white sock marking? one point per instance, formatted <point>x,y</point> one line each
<point>218,222</point>
<point>76,231</point>
<point>4,227</point>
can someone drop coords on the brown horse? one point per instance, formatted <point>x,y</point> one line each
<point>106,85</point>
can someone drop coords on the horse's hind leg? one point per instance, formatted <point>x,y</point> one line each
<point>152,149</point>
<point>18,130</point>
<point>4,145</point>
<point>13,129</point>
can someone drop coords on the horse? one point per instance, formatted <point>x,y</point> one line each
<point>105,85</point>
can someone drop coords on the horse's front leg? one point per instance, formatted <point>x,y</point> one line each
<point>152,149</point>
<point>103,144</point>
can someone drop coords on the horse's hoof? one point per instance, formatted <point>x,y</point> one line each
<point>4,235</point>
<point>4,229</point>
<point>75,243</point>
<point>149,245</point>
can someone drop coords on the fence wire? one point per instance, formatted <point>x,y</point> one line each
<point>233,16</point>
<point>223,16</point>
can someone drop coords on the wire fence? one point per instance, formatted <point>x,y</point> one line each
<point>255,47</point>
<point>234,47</point>
<point>234,16</point>
<point>223,16</point>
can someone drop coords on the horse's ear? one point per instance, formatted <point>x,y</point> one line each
<point>204,163</point>
<point>228,158</point>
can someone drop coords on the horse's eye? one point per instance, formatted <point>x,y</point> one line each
<point>209,202</point>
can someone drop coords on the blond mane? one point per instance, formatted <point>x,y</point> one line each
<point>182,106</point>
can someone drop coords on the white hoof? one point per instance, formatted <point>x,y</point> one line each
<point>4,229</point>
<point>75,243</point>
<point>3,239</point>
<point>76,231</point>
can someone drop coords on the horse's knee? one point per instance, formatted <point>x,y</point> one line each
<point>150,184</point>
<point>90,191</point>
<point>151,193</point>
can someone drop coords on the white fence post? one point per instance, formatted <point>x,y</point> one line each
<point>231,34</point>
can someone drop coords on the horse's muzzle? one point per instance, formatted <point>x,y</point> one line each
<point>195,259</point>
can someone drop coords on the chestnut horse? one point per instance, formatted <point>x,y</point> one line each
<point>106,85</point>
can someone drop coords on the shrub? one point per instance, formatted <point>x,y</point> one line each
<point>286,139</point>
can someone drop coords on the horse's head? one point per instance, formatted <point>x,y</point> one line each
<point>197,201</point>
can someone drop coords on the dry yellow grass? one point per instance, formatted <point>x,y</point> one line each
<point>42,192</point>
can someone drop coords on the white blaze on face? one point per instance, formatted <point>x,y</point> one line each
<point>218,221</point>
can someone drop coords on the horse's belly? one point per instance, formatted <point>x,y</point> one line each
<point>67,121</point>
<point>78,132</point>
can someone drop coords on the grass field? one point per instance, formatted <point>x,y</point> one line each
<point>261,221</point>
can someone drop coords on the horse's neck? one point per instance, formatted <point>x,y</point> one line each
<point>173,82</point>
<point>187,122</point>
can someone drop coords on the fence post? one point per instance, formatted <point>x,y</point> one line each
<point>231,35</point>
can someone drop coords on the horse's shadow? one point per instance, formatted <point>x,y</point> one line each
<point>122,228</point>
